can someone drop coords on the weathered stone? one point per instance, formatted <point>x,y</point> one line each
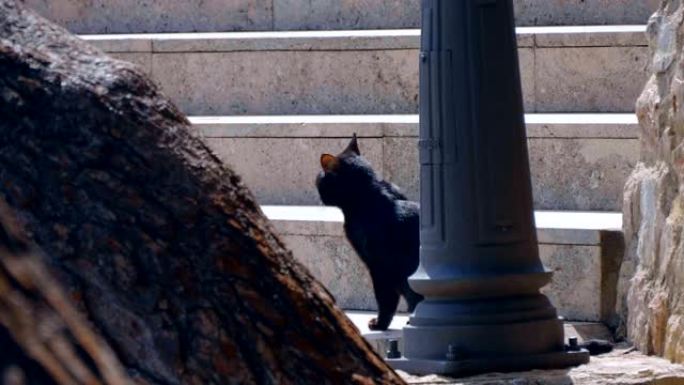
<point>576,286</point>
<point>594,79</point>
<point>283,171</point>
<point>651,285</point>
<point>563,69</point>
<point>620,367</point>
<point>126,16</point>
<point>130,16</point>
<point>583,12</point>
<point>290,82</point>
<point>583,174</point>
<point>332,260</point>
<point>345,14</point>
<point>528,76</point>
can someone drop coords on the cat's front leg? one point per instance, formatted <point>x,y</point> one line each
<point>387,298</point>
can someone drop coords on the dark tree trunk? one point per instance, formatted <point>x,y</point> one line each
<point>159,245</point>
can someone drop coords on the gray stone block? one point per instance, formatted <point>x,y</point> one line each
<point>283,170</point>
<point>290,82</point>
<point>527,63</point>
<point>371,72</point>
<point>311,126</point>
<point>346,14</point>
<point>285,41</point>
<point>575,289</point>
<point>596,79</point>
<point>332,260</point>
<point>581,174</point>
<point>138,16</point>
<point>583,12</point>
<point>401,166</point>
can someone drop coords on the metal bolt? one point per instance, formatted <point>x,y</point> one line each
<point>573,343</point>
<point>393,350</point>
<point>453,353</point>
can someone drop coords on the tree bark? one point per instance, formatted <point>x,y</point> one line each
<point>158,243</point>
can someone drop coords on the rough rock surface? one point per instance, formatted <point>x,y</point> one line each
<point>652,273</point>
<point>155,240</point>
<point>44,339</point>
<point>621,367</point>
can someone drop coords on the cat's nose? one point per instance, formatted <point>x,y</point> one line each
<point>319,177</point>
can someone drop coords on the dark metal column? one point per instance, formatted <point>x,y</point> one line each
<point>480,270</point>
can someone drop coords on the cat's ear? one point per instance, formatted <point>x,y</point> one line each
<point>353,147</point>
<point>329,162</point>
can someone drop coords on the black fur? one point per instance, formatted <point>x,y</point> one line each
<point>380,223</point>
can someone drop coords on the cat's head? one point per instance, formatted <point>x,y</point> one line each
<point>344,177</point>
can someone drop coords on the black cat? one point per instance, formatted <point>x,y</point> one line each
<point>380,223</point>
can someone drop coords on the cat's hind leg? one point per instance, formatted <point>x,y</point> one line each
<point>412,298</point>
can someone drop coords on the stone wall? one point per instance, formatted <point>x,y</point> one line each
<point>136,16</point>
<point>652,274</point>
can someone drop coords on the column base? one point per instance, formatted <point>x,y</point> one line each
<point>460,337</point>
<point>459,368</point>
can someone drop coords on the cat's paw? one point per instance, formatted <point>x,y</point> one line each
<point>374,325</point>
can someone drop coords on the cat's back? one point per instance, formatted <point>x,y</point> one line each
<point>407,225</point>
<point>385,235</point>
<point>407,210</point>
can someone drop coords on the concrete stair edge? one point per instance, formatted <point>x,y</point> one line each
<point>542,37</point>
<point>539,125</point>
<point>553,227</point>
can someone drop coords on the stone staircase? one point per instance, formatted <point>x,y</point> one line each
<point>311,73</point>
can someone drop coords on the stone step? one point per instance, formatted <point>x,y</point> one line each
<point>140,16</point>
<point>582,248</point>
<point>563,69</point>
<point>578,161</point>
